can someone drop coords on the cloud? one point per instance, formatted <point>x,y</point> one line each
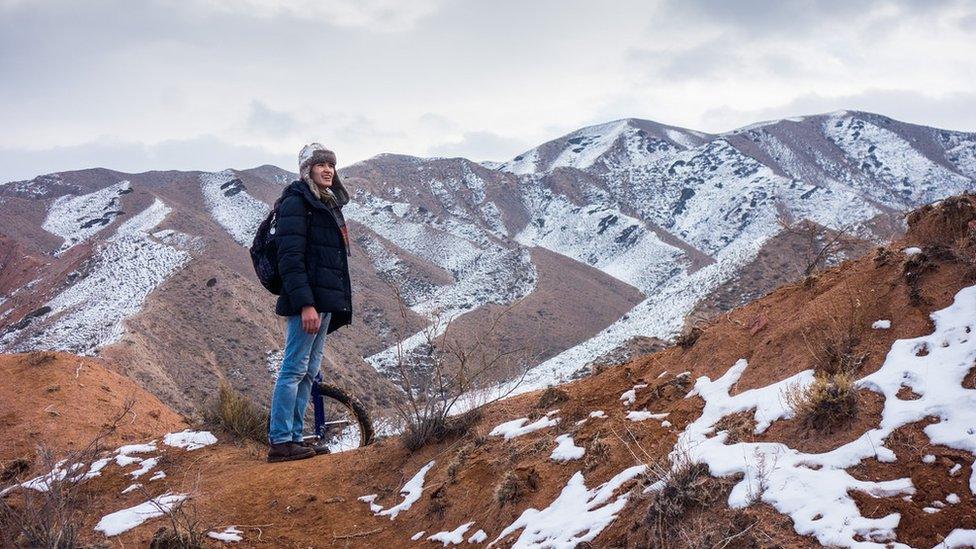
<point>376,15</point>
<point>265,120</point>
<point>205,153</point>
<point>950,111</point>
<point>480,146</point>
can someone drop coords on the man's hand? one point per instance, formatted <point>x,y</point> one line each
<point>310,319</point>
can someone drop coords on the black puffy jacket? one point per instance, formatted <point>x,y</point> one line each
<point>312,257</point>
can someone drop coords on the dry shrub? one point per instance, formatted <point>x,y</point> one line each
<point>834,349</point>
<point>597,452</point>
<point>682,485</point>
<point>515,484</point>
<point>912,270</point>
<point>687,339</point>
<point>237,416</point>
<point>550,397</point>
<point>457,461</point>
<point>739,427</point>
<point>185,529</point>
<point>53,518</point>
<point>882,256</point>
<point>446,371</point>
<point>14,468</point>
<point>829,401</point>
<point>436,428</point>
<point>39,358</point>
<point>730,528</point>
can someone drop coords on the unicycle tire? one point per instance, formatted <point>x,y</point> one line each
<point>367,435</point>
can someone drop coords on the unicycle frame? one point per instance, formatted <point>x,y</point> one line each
<point>318,406</point>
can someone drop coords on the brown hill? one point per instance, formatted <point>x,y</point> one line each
<point>491,481</point>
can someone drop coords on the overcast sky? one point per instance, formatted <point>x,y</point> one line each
<point>209,84</point>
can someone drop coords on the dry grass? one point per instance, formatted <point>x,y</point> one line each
<point>550,397</point>
<point>435,428</point>
<point>237,416</point>
<point>52,518</point>
<point>515,484</point>
<point>597,452</point>
<point>739,427</point>
<point>687,339</point>
<point>829,401</point>
<point>678,487</point>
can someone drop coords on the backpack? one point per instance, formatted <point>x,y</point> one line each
<point>264,252</point>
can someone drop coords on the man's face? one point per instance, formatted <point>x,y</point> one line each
<point>322,174</point>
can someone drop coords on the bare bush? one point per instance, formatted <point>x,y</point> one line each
<point>236,415</point>
<point>829,401</point>
<point>51,508</point>
<point>514,484</point>
<point>826,246</point>
<point>444,373</point>
<point>834,348</point>
<point>675,486</point>
<point>688,339</point>
<point>550,397</point>
<point>185,529</point>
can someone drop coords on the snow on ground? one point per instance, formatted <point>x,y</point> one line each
<point>813,489</point>
<point>231,206</point>
<point>123,271</point>
<point>644,415</point>
<point>911,177</point>
<point>881,324</point>
<point>478,537</point>
<point>577,515</point>
<point>521,426</point>
<point>189,440</point>
<point>661,315</point>
<point>453,537</point>
<point>229,534</point>
<point>78,218</point>
<point>411,492</point>
<point>630,395</point>
<point>566,449</point>
<point>484,270</point>
<point>122,521</point>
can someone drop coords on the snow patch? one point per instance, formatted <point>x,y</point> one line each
<point>189,440</point>
<point>519,427</point>
<point>577,515</point>
<point>566,449</point>
<point>118,522</point>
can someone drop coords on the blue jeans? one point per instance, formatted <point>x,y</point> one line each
<point>300,365</point>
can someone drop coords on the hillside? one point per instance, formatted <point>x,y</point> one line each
<point>658,225</point>
<point>692,446</point>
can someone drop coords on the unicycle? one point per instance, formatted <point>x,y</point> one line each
<point>335,419</point>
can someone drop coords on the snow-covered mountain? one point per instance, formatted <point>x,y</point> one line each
<point>608,233</point>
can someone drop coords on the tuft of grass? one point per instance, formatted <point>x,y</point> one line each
<point>237,416</point>
<point>550,397</point>
<point>739,427</point>
<point>39,358</point>
<point>829,401</point>
<point>597,452</point>
<point>688,339</point>
<point>437,428</point>
<point>513,486</point>
<point>680,485</point>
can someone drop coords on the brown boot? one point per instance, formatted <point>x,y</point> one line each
<point>316,444</point>
<point>288,451</point>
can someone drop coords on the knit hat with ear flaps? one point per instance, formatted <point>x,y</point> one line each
<point>316,153</point>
